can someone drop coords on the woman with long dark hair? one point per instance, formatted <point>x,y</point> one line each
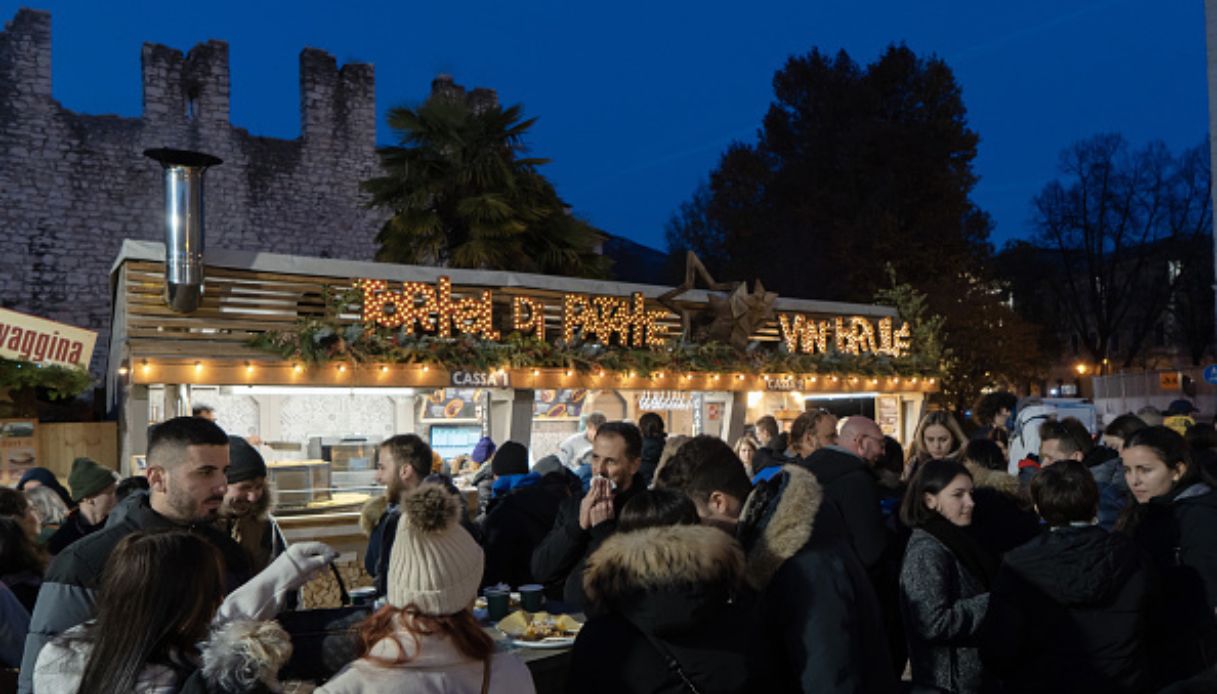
<point>944,581</point>
<point>1174,520</point>
<point>425,639</point>
<point>158,597</point>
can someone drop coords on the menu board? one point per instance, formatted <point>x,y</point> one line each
<point>887,414</point>
<point>565,403</point>
<point>452,403</point>
<point>18,448</point>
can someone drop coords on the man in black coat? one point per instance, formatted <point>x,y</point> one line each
<point>844,471</point>
<point>584,522</point>
<point>187,459</point>
<point>815,599</point>
<point>1066,610</point>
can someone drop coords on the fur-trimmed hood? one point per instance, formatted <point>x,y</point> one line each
<point>243,654</point>
<point>777,521</point>
<point>669,582</point>
<point>994,479</point>
<point>655,559</point>
<point>370,513</point>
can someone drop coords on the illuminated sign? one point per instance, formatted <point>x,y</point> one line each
<point>418,307</point>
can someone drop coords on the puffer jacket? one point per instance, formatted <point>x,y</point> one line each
<point>517,524</point>
<point>1067,614</point>
<point>668,599</point>
<point>1179,532</point>
<point>853,486</point>
<point>821,616</point>
<point>239,657</point>
<point>1108,470</point>
<point>66,598</point>
<point>433,666</point>
<point>942,605</point>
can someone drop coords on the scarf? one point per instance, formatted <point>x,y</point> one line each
<point>977,560</point>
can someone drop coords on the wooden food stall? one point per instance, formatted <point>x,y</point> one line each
<point>309,355</point>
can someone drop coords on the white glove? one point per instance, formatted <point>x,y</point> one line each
<point>263,596</point>
<point>308,558</point>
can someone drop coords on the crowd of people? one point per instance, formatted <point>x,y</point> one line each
<point>823,558</point>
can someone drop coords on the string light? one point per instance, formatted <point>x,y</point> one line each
<point>145,366</point>
<point>198,366</point>
<point>568,373</point>
<point>384,369</point>
<point>122,370</point>
<point>249,367</point>
<point>297,368</point>
<point>342,368</point>
<point>528,316</point>
<point>536,372</point>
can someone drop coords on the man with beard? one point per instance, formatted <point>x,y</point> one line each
<point>187,460</point>
<point>245,513</point>
<point>402,463</point>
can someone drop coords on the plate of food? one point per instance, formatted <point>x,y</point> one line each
<point>540,629</point>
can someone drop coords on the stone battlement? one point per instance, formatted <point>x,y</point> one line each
<point>73,186</point>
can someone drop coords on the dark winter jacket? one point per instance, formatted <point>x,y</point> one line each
<point>1108,470</point>
<point>1002,519</point>
<point>67,595</point>
<point>852,485</point>
<point>667,597</point>
<point>558,561</point>
<point>942,605</point>
<point>74,527</point>
<point>517,524</point>
<point>380,544</point>
<point>821,616</point>
<point>768,461</point>
<point>652,450</point>
<point>1179,532</point>
<point>1067,614</point>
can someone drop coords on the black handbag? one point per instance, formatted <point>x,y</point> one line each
<point>323,640</point>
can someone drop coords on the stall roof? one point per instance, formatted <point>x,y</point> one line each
<point>257,261</point>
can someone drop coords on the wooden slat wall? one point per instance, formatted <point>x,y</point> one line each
<point>239,304</point>
<point>61,443</point>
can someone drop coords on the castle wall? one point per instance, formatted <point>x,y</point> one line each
<point>73,186</point>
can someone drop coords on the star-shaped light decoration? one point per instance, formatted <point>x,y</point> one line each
<point>730,318</point>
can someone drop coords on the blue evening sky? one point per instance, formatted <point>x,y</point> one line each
<point>637,100</point>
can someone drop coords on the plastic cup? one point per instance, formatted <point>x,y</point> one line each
<point>532,597</point>
<point>497,604</point>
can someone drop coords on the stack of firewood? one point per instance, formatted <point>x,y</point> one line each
<point>322,591</point>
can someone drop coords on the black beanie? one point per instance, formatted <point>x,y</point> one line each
<point>510,459</point>
<point>244,461</point>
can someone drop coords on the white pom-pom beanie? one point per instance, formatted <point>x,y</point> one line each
<point>435,563</point>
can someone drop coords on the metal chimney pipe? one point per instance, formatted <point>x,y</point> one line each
<point>183,224</point>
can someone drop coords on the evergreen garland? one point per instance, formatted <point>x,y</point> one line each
<point>60,382</point>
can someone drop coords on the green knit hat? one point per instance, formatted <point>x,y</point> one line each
<point>88,478</point>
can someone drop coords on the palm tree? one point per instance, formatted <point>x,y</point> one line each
<point>462,194</point>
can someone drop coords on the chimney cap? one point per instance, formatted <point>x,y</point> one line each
<point>181,157</point>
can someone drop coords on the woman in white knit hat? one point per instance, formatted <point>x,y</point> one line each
<point>426,639</point>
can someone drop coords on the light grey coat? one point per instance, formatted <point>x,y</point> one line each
<point>942,605</point>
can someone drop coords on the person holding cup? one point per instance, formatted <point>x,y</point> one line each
<point>583,523</point>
